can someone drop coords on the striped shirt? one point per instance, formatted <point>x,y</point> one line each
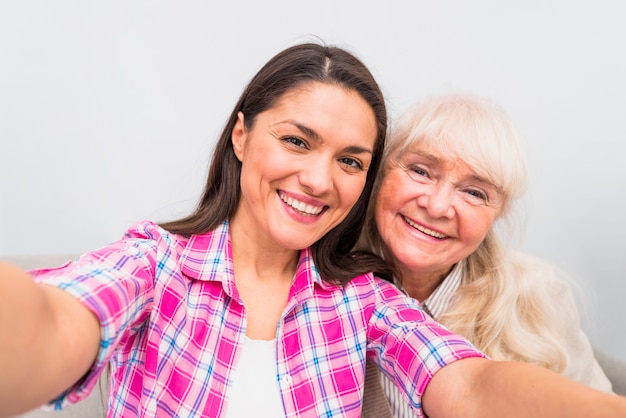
<point>436,304</point>
<point>173,327</point>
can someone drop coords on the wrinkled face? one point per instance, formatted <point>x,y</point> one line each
<point>304,164</point>
<point>432,212</point>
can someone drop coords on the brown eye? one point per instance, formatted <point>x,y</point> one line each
<point>295,141</point>
<point>353,163</point>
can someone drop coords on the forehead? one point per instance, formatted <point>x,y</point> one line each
<point>426,153</point>
<point>311,90</point>
<point>326,108</point>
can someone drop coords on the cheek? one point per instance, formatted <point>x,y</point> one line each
<point>385,210</point>
<point>389,195</point>
<point>352,196</point>
<point>261,165</point>
<point>476,227</point>
<point>351,191</point>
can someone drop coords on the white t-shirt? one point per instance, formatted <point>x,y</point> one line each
<point>255,391</point>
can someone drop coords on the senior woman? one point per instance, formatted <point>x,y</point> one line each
<point>452,172</point>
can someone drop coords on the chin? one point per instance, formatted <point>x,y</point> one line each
<point>290,244</point>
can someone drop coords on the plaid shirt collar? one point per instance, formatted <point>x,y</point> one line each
<point>209,257</point>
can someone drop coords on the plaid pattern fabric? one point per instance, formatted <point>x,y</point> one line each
<point>173,326</point>
<point>434,305</point>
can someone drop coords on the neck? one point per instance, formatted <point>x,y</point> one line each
<point>260,258</point>
<point>263,277</point>
<point>421,285</point>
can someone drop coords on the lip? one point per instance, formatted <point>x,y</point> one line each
<point>301,206</point>
<point>430,232</point>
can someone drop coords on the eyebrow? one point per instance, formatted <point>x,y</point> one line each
<point>485,181</point>
<point>304,129</point>
<point>426,155</point>
<point>311,133</point>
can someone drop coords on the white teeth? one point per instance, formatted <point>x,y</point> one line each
<point>426,231</point>
<point>301,206</point>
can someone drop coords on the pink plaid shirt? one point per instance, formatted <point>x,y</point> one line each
<point>173,326</point>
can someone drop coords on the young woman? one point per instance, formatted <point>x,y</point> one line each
<point>453,170</point>
<point>254,305</point>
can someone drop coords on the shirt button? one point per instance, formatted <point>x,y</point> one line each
<point>287,379</point>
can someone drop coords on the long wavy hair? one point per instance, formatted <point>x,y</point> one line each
<point>286,71</point>
<point>502,307</point>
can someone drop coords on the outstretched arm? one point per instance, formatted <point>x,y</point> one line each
<point>476,387</point>
<point>48,341</point>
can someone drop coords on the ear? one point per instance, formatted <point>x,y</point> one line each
<point>238,137</point>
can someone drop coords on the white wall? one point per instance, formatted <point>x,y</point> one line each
<point>108,110</point>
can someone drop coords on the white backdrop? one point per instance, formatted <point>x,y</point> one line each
<point>108,110</point>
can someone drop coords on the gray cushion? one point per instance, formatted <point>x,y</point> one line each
<point>614,368</point>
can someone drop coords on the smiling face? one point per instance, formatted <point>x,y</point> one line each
<point>431,212</point>
<point>304,165</point>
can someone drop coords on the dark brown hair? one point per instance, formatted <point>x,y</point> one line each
<point>287,70</point>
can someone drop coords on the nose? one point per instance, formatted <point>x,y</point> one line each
<point>316,175</point>
<point>438,201</point>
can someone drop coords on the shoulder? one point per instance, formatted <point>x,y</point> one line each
<point>373,297</point>
<point>388,304</point>
<point>151,230</point>
<point>376,288</point>
<point>151,235</point>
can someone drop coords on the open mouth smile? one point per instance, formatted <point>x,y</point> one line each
<point>301,207</point>
<point>424,230</point>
